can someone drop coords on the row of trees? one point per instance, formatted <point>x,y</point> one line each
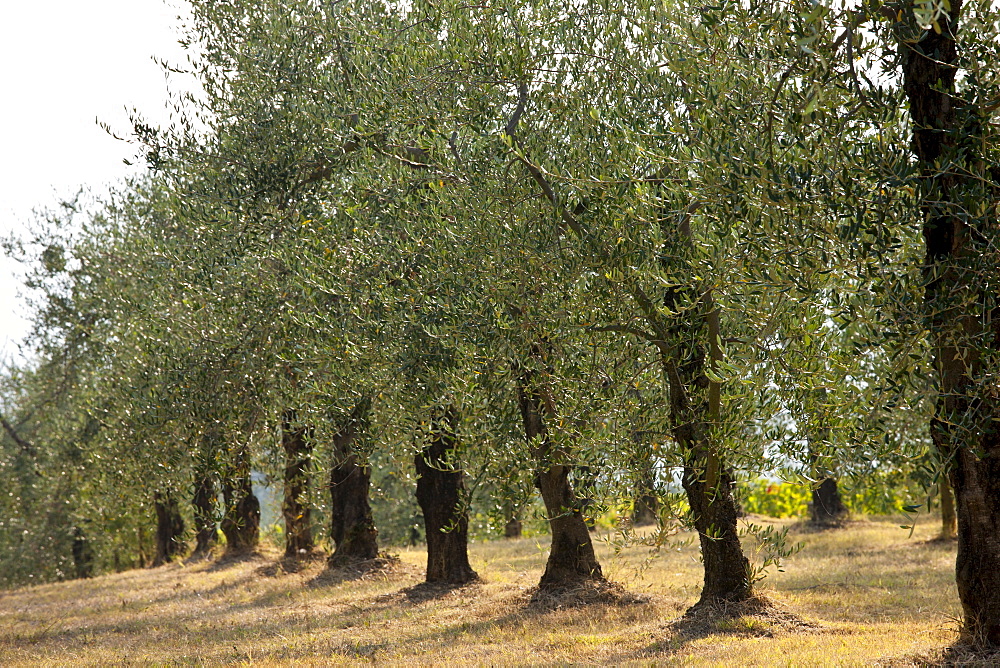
<point>615,251</point>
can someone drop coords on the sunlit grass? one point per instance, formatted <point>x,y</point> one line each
<point>873,592</point>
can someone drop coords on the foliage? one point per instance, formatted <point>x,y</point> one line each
<point>416,205</point>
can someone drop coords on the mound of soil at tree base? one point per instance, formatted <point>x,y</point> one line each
<point>385,565</point>
<point>290,565</point>
<point>589,592</point>
<point>758,617</point>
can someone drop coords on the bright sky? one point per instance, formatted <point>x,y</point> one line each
<point>64,65</point>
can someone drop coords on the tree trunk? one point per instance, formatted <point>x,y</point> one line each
<point>513,527</point>
<point>827,507</point>
<point>352,527</point>
<point>707,483</point>
<point>83,555</point>
<point>949,520</point>
<point>441,495</point>
<point>241,521</point>
<point>571,557</point>
<point>297,442</point>
<point>203,502</point>
<point>961,311</point>
<point>644,512</point>
<point>169,529</point>
<point>715,513</point>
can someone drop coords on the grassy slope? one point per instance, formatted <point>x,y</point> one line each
<point>874,592</point>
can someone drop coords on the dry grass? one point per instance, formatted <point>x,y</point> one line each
<point>859,595</point>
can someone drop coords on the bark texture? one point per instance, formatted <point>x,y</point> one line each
<point>949,519</point>
<point>169,529</point>
<point>297,442</point>
<point>707,483</point>
<point>571,557</point>
<point>441,495</point>
<point>352,527</point>
<point>962,314</point>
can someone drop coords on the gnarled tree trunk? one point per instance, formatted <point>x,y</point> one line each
<point>571,557</point>
<point>441,495</point>
<point>352,527</point>
<point>297,442</point>
<point>962,313</point>
<point>708,484</point>
<point>169,528</point>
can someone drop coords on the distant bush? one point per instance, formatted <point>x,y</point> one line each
<point>775,498</point>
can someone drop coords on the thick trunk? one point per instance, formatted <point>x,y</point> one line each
<point>297,442</point>
<point>441,495</point>
<point>241,521</point>
<point>169,529</point>
<point>977,490</point>
<point>707,483</point>
<point>203,502</point>
<point>715,513</point>
<point>962,315</point>
<point>827,506</point>
<point>352,527</point>
<point>571,557</point>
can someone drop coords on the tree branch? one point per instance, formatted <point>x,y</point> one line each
<point>27,447</point>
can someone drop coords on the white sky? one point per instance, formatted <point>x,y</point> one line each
<point>64,65</point>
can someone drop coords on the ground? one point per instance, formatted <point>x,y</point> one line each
<point>867,593</point>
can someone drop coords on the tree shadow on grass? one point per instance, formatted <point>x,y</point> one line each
<point>516,610</point>
<point>588,592</point>
<point>756,618</point>
<point>959,654</point>
<point>290,565</point>
<point>230,559</point>
<point>432,591</point>
<point>383,567</point>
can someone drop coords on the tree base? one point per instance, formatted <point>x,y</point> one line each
<point>348,564</point>
<point>756,616</point>
<point>383,567</point>
<point>429,591</point>
<point>588,592</point>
